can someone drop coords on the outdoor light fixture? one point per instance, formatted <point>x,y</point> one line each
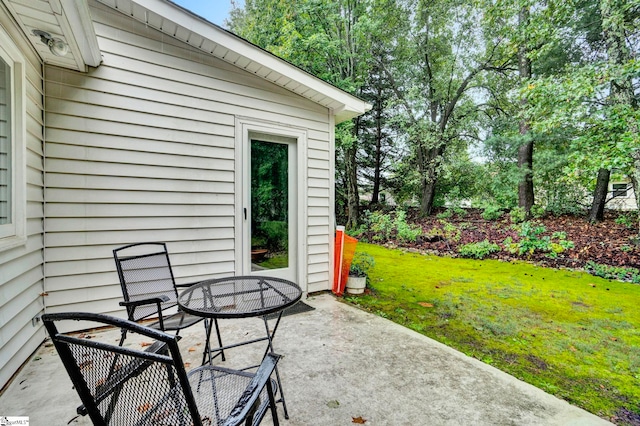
<point>56,46</point>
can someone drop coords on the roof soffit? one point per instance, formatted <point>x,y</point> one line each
<point>68,20</point>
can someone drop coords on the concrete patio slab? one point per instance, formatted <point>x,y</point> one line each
<point>339,363</point>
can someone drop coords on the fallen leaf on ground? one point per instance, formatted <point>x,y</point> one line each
<point>425,304</point>
<point>85,364</point>
<point>333,404</point>
<point>358,420</point>
<point>143,344</point>
<point>144,407</point>
<point>192,349</point>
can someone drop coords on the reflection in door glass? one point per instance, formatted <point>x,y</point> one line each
<point>269,205</point>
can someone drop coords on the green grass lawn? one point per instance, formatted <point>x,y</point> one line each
<point>571,334</point>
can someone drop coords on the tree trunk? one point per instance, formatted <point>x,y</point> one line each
<point>596,214</point>
<point>351,166</point>
<point>525,152</point>
<point>375,193</point>
<point>428,195</point>
<point>429,179</point>
<point>353,201</point>
<point>525,186</point>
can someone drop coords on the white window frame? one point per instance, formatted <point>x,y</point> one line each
<point>14,233</point>
<point>619,191</point>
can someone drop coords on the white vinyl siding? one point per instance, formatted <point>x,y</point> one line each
<point>21,261</point>
<point>142,148</point>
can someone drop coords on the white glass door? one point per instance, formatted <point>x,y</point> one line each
<point>271,216</point>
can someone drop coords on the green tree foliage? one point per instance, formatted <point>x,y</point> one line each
<point>596,96</point>
<point>435,76</point>
<point>330,39</point>
<point>443,75</point>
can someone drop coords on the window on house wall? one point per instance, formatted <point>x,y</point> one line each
<point>12,144</point>
<point>619,189</point>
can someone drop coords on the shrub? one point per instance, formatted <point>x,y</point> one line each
<point>381,225</point>
<point>445,214</point>
<point>625,220</point>
<point>537,211</point>
<point>451,232</point>
<point>619,273</point>
<point>532,240</point>
<point>478,250</point>
<point>406,232</point>
<point>492,213</point>
<point>274,234</point>
<point>459,211</point>
<point>517,215</point>
<point>361,264</point>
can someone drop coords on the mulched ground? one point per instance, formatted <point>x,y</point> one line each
<point>607,242</point>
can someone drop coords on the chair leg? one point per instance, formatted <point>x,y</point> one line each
<point>123,335</point>
<point>272,403</point>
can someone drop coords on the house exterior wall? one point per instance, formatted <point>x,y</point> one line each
<point>142,148</point>
<point>21,265</point>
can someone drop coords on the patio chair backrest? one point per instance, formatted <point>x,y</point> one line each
<point>145,272</point>
<point>148,385</point>
<point>124,386</point>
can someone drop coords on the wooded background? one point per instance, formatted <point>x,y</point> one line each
<point>499,104</point>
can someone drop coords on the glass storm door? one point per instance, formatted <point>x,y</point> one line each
<point>272,223</point>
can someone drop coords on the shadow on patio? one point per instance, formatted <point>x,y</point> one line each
<point>339,364</point>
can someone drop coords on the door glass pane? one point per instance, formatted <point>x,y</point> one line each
<point>269,205</point>
<point>5,143</point>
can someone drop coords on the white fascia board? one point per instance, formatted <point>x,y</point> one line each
<point>79,21</point>
<point>350,107</point>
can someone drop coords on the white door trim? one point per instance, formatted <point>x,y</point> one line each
<point>245,127</point>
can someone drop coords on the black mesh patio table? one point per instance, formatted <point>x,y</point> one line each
<point>242,297</point>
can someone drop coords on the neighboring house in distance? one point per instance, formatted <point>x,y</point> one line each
<point>140,127</point>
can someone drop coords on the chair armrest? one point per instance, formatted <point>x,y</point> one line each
<point>186,285</point>
<point>157,300</point>
<point>132,304</point>
<point>251,393</point>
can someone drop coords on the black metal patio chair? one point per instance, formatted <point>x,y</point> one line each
<point>120,385</point>
<point>149,289</point>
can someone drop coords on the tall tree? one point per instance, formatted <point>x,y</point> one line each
<point>327,38</point>
<point>436,67</point>
<point>615,18</point>
<point>525,152</point>
<point>525,24</point>
<point>597,96</point>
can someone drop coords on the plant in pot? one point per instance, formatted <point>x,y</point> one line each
<point>360,266</point>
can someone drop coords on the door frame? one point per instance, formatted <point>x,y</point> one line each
<point>245,127</point>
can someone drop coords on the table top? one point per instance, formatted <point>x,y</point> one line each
<point>239,297</point>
